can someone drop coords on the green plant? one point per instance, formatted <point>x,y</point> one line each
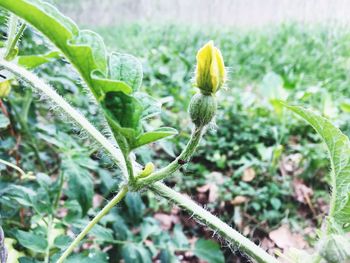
<point>114,83</point>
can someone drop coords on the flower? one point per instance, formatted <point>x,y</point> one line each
<point>210,70</point>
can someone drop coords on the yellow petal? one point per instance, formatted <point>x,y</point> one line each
<point>221,66</point>
<point>204,62</point>
<point>210,70</point>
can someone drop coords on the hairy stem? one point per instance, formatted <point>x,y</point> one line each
<point>49,239</point>
<point>123,191</point>
<point>214,223</point>
<point>175,165</point>
<point>41,86</point>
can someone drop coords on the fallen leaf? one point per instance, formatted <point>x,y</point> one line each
<point>285,239</point>
<point>248,174</point>
<point>212,191</point>
<point>302,193</point>
<point>166,220</point>
<point>290,164</point>
<point>267,243</point>
<point>239,199</point>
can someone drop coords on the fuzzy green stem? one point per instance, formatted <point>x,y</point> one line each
<point>129,168</point>
<point>48,235</point>
<point>214,223</point>
<point>42,87</point>
<point>175,165</point>
<point>123,191</point>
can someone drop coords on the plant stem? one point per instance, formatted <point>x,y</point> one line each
<point>23,174</point>
<point>41,86</point>
<point>60,188</point>
<point>129,168</point>
<point>175,165</point>
<point>214,223</point>
<point>49,244</point>
<point>13,36</point>
<point>123,191</point>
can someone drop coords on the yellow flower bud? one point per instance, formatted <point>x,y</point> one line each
<point>210,70</point>
<point>5,88</point>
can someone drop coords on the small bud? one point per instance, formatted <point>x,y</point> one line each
<point>5,88</point>
<point>210,69</point>
<point>202,109</point>
<point>149,168</point>
<point>335,248</point>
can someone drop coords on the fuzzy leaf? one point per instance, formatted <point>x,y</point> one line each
<point>123,114</point>
<point>83,48</point>
<point>338,146</point>
<point>126,68</point>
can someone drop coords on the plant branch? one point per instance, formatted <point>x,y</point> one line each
<point>175,165</point>
<point>93,222</point>
<point>214,223</point>
<point>41,86</point>
<point>49,239</point>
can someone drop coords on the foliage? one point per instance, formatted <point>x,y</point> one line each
<point>252,132</point>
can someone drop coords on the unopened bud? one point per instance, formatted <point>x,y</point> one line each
<point>210,69</point>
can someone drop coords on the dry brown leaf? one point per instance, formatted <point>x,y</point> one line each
<point>290,165</point>
<point>302,193</point>
<point>285,239</point>
<point>248,174</point>
<point>239,199</point>
<point>212,190</point>
<point>267,243</point>
<point>166,220</point>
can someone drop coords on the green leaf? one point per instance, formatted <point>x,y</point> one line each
<point>135,253</point>
<point>31,241</point>
<point>80,184</point>
<point>88,256</point>
<point>338,147</point>
<point>124,109</point>
<point>209,251</point>
<point>153,136</point>
<point>123,113</point>
<point>62,241</point>
<point>151,106</point>
<point>149,227</point>
<point>33,61</point>
<point>83,48</point>
<point>126,68</point>
<point>179,238</point>
<point>4,121</point>
<point>136,207</point>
